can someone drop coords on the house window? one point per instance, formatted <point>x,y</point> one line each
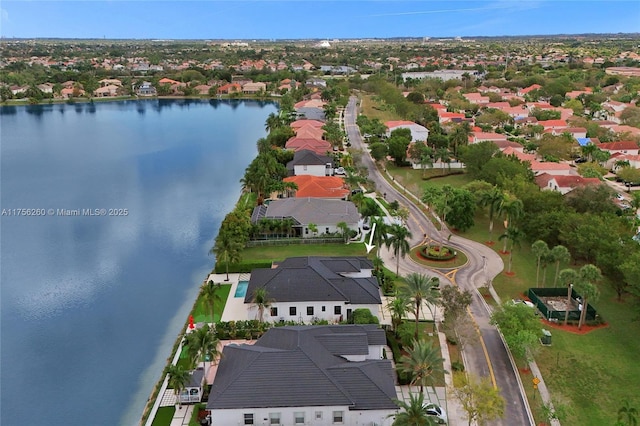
<point>310,310</point>
<point>274,418</point>
<point>318,415</point>
<point>274,312</point>
<point>292,311</point>
<point>304,167</point>
<point>306,231</point>
<point>337,417</point>
<point>326,230</point>
<point>337,310</point>
<point>324,308</point>
<point>248,418</point>
<point>298,418</point>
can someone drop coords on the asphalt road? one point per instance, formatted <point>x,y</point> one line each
<point>488,358</point>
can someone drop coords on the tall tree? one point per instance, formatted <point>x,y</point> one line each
<point>422,362</point>
<point>514,235</point>
<point>227,250</point>
<point>567,278</point>
<point>398,241</point>
<point>539,249</point>
<point>210,295</point>
<point>420,289</point>
<point>344,230</point>
<point>559,254</point>
<point>588,276</point>
<point>512,208</point>
<point>520,327</point>
<point>492,199</point>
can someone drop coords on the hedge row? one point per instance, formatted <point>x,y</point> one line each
<point>244,267</point>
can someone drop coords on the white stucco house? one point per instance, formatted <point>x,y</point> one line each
<point>306,375</point>
<point>307,162</point>
<point>304,289</point>
<point>418,132</point>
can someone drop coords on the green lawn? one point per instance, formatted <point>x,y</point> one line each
<point>588,375</point>
<point>201,310</point>
<point>277,253</point>
<point>375,109</point>
<point>163,416</point>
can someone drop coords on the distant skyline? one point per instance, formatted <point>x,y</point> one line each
<point>297,19</point>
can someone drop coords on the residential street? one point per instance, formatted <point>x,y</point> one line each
<point>473,275</point>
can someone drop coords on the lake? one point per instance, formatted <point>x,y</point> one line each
<point>99,276</point>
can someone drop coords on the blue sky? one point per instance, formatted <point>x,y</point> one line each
<point>263,19</point>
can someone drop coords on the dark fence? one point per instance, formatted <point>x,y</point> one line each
<point>294,241</point>
<point>536,295</point>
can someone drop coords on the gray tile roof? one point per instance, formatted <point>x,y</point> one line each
<point>309,158</point>
<point>297,367</point>
<point>320,211</point>
<point>316,279</point>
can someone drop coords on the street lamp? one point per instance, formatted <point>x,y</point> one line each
<point>566,308</point>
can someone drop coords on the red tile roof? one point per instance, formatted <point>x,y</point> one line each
<point>302,123</point>
<point>619,146</point>
<point>316,145</point>
<point>319,186</point>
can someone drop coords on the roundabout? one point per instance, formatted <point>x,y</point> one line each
<point>437,256</point>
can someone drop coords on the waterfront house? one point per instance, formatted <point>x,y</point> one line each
<point>309,162</point>
<point>304,289</point>
<point>318,146</point>
<point>318,187</point>
<point>146,89</point>
<point>324,213</point>
<point>306,375</point>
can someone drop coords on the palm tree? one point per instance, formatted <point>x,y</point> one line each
<point>178,379</point>
<point>422,362</point>
<point>210,295</point>
<point>514,235</point>
<point>344,230</point>
<point>398,241</point>
<point>627,415</point>
<point>539,249</point>
<point>313,228</point>
<point>512,208</point>
<point>444,156</point>
<point>227,250</point>
<point>419,289</point>
<point>202,345</point>
<point>568,277</point>
<point>492,198</point>
<point>261,300</point>
<point>588,151</point>
<point>398,308</point>
<point>273,122</point>
<point>413,412</point>
<point>586,286</point>
<point>380,234</point>
<point>559,254</point>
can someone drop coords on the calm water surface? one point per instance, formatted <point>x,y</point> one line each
<point>91,305</point>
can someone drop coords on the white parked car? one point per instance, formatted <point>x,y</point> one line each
<point>619,197</point>
<point>437,412</point>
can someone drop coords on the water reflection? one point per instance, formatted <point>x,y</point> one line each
<point>77,290</point>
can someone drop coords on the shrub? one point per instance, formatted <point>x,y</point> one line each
<point>434,252</point>
<point>457,366</point>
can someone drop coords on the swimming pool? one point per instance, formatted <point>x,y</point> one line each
<point>241,290</point>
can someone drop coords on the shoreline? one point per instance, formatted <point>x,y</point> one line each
<point>72,101</point>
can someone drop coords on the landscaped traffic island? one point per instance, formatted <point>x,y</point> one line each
<point>437,256</point>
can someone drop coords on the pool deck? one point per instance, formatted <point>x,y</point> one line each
<point>234,309</point>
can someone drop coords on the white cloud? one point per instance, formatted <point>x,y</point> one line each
<point>4,15</point>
